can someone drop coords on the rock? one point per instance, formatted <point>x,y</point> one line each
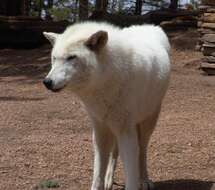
<point>206,43</point>
<point>208,68</point>
<point>199,23</point>
<point>178,24</point>
<point>209,59</point>
<point>211,10</point>
<point>213,54</point>
<point>204,8</point>
<point>198,47</point>
<point>208,25</point>
<point>208,17</point>
<point>206,31</point>
<point>207,51</point>
<point>209,38</point>
<point>209,45</point>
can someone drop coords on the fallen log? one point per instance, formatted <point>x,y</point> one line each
<point>154,17</point>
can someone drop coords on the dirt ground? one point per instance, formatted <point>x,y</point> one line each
<point>48,136</point>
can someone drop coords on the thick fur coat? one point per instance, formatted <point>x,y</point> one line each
<point>121,76</point>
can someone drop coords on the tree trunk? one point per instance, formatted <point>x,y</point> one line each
<point>83,9</point>
<point>25,7</point>
<point>47,11</point>
<point>3,7</point>
<point>173,4</point>
<point>50,4</point>
<point>113,6</point>
<point>101,5</point>
<point>13,8</point>
<point>138,7</point>
<point>41,5</point>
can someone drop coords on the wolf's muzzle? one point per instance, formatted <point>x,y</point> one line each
<point>48,83</point>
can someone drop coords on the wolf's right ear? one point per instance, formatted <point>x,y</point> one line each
<point>97,41</point>
<point>51,36</point>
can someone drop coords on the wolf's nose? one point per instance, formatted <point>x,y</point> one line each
<point>48,83</point>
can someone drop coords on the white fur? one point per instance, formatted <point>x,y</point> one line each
<point>122,87</point>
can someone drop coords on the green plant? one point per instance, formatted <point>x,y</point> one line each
<point>47,184</point>
<point>60,13</point>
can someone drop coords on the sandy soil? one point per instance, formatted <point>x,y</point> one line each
<point>48,136</point>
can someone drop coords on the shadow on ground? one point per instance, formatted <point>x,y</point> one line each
<point>179,185</point>
<point>14,98</point>
<point>33,63</point>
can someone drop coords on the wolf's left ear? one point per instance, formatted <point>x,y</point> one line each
<point>97,41</point>
<point>51,36</point>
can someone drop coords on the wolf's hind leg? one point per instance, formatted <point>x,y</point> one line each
<point>145,130</point>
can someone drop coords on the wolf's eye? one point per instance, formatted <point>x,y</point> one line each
<point>71,57</point>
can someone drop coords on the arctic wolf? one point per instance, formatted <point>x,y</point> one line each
<point>121,76</point>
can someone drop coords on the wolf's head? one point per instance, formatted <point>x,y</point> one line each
<point>74,61</point>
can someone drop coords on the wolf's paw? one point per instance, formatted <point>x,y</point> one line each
<point>148,185</point>
<point>108,186</point>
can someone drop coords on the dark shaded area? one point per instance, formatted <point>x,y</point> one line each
<point>31,64</point>
<point>173,4</point>
<point>18,29</point>
<point>26,32</point>
<point>11,7</point>
<point>182,184</point>
<point>25,38</point>
<point>16,98</point>
<point>184,40</point>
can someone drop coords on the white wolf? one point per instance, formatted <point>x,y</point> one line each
<point>121,76</point>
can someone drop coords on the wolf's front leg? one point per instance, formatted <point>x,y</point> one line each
<point>129,152</point>
<point>103,140</point>
<point>109,177</point>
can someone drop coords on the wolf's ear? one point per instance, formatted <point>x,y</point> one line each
<point>51,36</point>
<point>97,41</point>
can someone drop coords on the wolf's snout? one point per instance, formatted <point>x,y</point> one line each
<point>48,83</point>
